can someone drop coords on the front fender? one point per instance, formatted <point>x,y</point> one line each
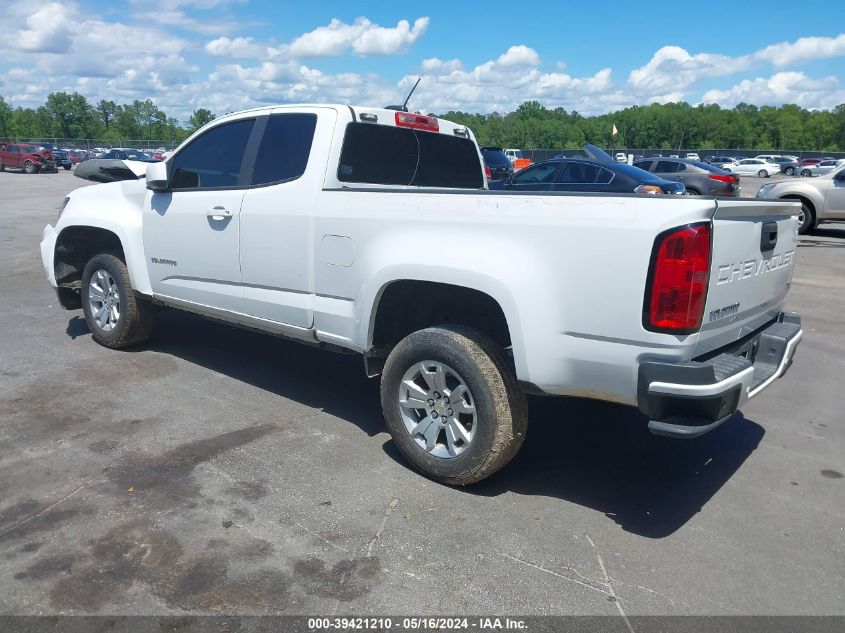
<point>114,207</point>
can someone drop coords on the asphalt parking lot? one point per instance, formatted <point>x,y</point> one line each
<point>219,470</point>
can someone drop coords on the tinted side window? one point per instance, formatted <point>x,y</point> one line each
<point>285,146</point>
<point>380,154</point>
<point>14,149</point>
<point>544,173</point>
<point>584,173</point>
<point>666,167</point>
<point>214,159</point>
<point>644,164</point>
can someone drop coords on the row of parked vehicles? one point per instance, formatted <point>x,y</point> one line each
<point>34,158</point>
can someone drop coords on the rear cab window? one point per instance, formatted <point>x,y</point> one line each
<point>377,154</point>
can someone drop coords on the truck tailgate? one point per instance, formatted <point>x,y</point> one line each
<point>753,257</point>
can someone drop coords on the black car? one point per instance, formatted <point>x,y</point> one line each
<point>719,160</point>
<point>496,163</point>
<point>584,174</point>
<point>699,178</point>
<point>62,159</point>
<point>129,154</point>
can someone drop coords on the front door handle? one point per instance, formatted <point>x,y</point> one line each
<point>219,213</point>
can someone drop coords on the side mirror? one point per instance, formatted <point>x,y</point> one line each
<point>157,177</point>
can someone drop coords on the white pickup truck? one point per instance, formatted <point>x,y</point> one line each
<point>372,231</point>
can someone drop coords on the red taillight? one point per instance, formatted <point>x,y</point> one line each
<point>488,173</point>
<point>722,178</point>
<point>680,275</point>
<point>417,121</point>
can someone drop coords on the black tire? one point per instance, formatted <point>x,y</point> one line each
<point>693,192</point>
<point>809,220</point>
<point>762,174</point>
<point>29,167</point>
<point>806,173</point>
<point>2,167</point>
<point>500,406</point>
<point>66,167</point>
<point>135,322</point>
<point>790,171</point>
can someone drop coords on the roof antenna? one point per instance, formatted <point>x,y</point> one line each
<point>404,106</point>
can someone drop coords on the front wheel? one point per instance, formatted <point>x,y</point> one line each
<point>790,171</point>
<point>806,173</point>
<point>29,167</point>
<point>763,173</point>
<point>116,317</point>
<point>806,219</point>
<point>452,404</point>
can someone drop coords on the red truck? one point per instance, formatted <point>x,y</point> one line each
<point>26,156</point>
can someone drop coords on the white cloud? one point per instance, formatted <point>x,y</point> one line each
<point>803,49</point>
<point>238,48</point>
<point>362,36</point>
<point>674,67</point>
<point>46,30</point>
<point>780,88</point>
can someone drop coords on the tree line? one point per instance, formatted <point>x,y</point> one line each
<point>70,116</point>
<point>662,126</point>
<point>531,126</point>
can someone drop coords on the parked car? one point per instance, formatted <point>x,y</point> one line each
<point>788,164</point>
<point>621,157</point>
<point>810,161</point>
<point>59,155</point>
<point>692,156</point>
<point>28,157</point>
<point>513,154</point>
<point>720,160</point>
<point>699,178</point>
<point>461,299</point>
<point>496,163</point>
<point>585,174</point>
<point>752,167</point>
<point>819,169</point>
<point>126,153</point>
<point>821,198</point>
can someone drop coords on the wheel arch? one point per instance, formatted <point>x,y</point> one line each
<point>77,243</point>
<point>403,304</point>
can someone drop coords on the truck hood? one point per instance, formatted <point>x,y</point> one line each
<point>111,170</point>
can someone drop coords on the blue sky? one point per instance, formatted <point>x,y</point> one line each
<point>474,56</point>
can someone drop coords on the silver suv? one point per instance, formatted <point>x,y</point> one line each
<point>821,198</point>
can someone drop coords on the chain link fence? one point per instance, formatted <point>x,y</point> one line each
<point>537,155</point>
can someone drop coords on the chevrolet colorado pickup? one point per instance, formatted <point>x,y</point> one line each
<point>372,231</point>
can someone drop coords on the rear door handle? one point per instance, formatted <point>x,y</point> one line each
<point>219,213</point>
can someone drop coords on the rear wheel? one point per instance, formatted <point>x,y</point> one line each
<point>452,404</point>
<point>67,167</point>
<point>693,192</point>
<point>806,173</point>
<point>763,173</point>
<point>29,167</point>
<point>2,167</point>
<point>115,315</point>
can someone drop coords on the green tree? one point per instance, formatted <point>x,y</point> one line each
<point>5,120</point>
<point>70,115</point>
<point>107,111</point>
<point>200,117</point>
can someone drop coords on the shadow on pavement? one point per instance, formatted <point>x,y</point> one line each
<point>601,455</point>
<point>835,231</point>
<point>595,454</point>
